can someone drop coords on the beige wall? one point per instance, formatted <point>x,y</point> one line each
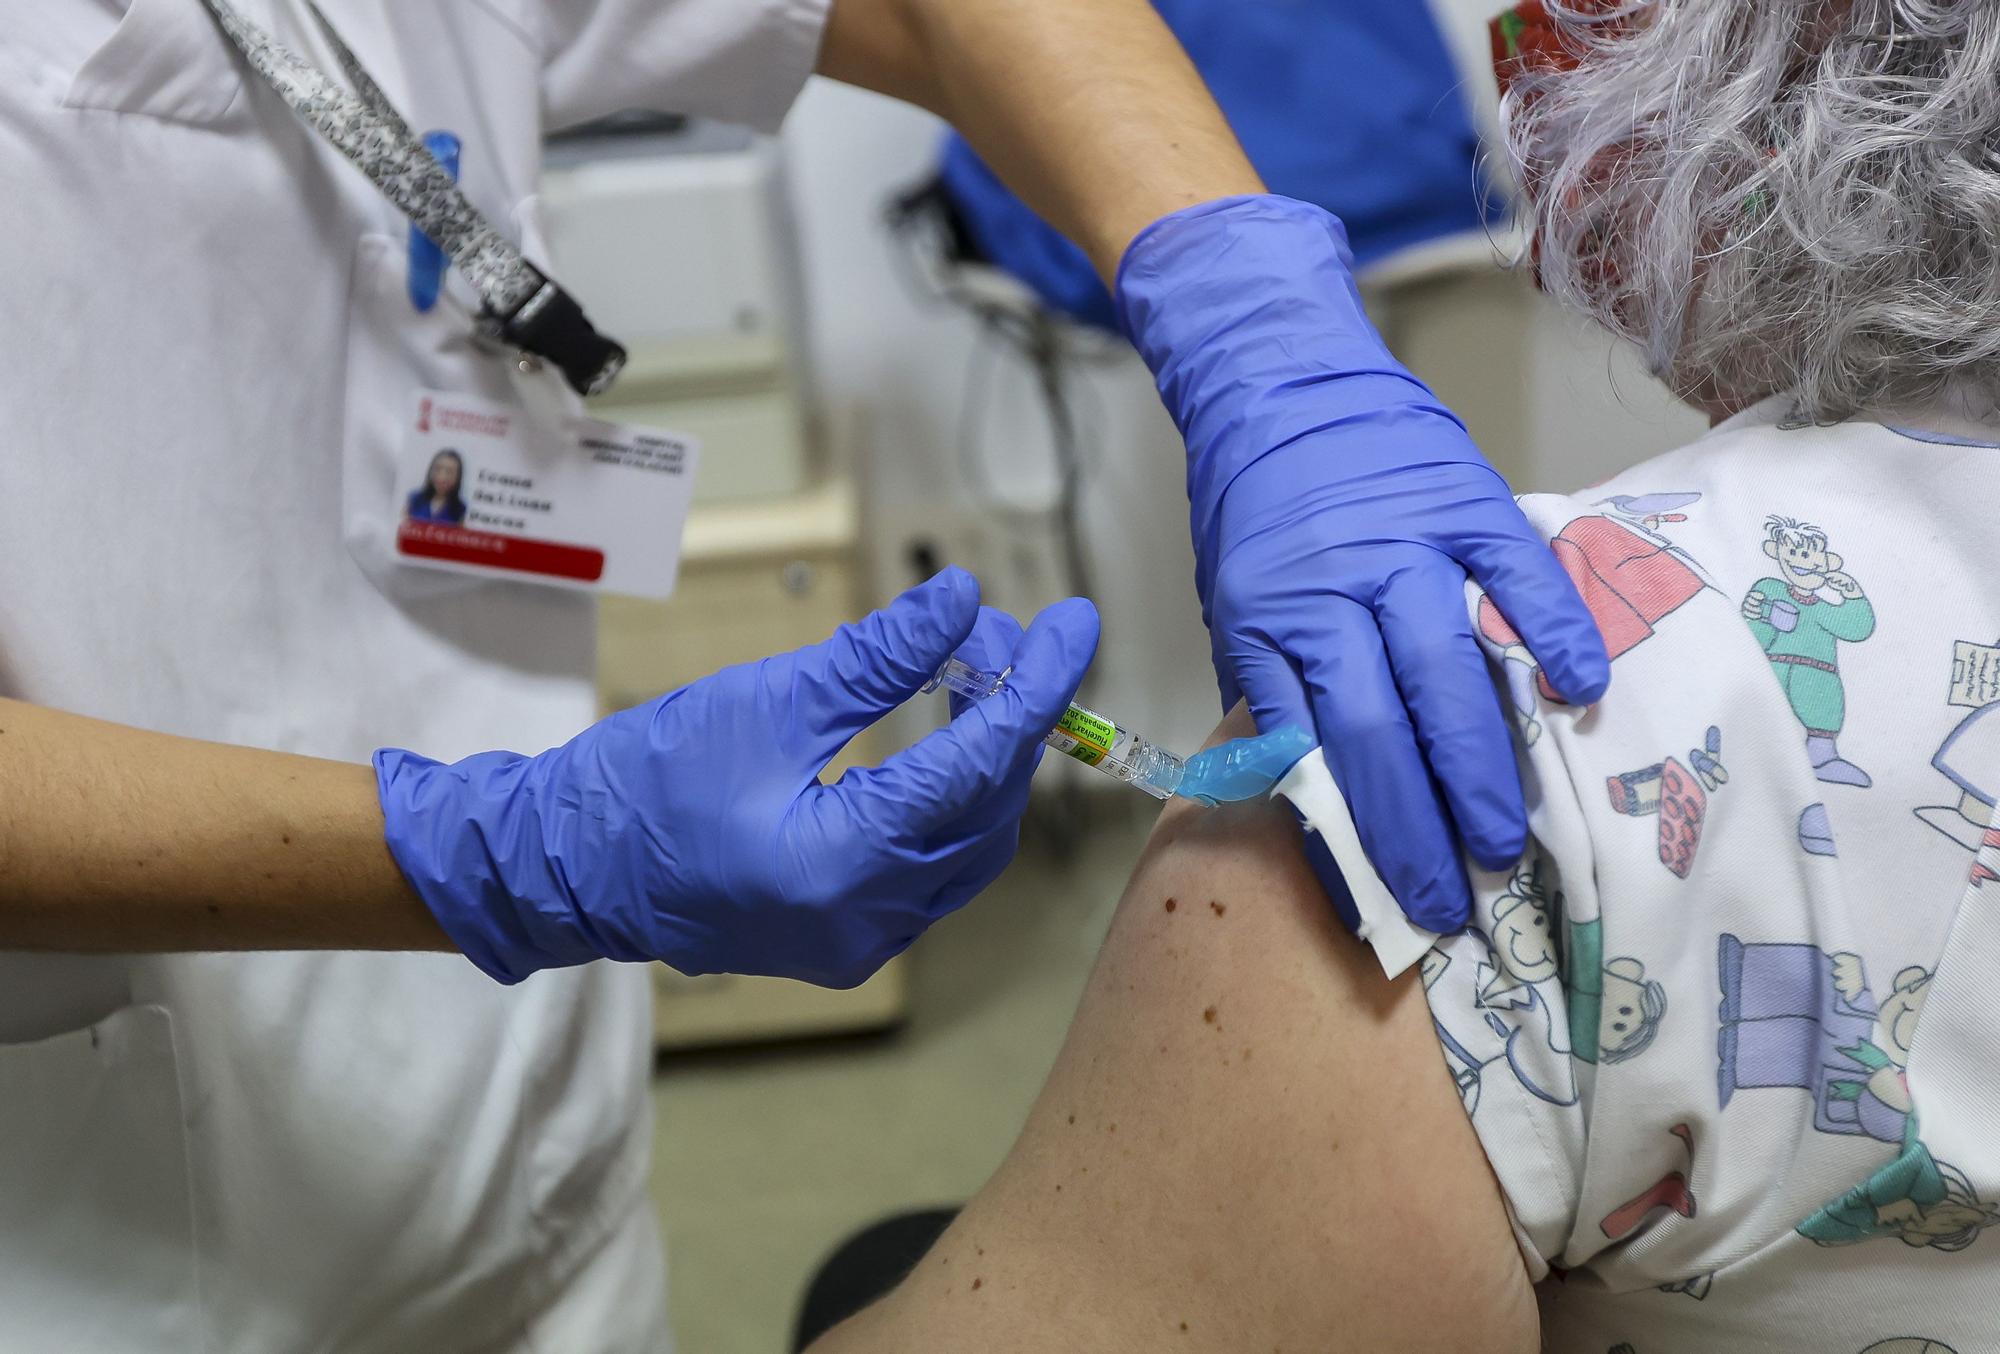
<point>1552,401</point>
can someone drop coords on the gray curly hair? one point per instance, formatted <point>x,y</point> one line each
<point>1773,196</point>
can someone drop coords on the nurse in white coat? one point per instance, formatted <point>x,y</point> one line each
<point>224,1125</point>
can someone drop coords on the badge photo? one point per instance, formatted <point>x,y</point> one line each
<point>574,502</point>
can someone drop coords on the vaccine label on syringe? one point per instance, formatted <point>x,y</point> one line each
<point>1088,737</point>
<point>1084,736</point>
<point>1240,769</point>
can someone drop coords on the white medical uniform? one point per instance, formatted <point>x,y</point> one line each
<point>207,354</point>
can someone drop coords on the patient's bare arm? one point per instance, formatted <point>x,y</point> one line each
<point>1249,1142</point>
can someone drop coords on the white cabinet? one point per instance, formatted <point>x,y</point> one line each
<point>680,247</point>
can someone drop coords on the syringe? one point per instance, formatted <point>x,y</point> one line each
<point>1242,769</point>
<point>1080,733</point>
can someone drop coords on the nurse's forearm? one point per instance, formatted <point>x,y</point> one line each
<point>1087,108</point>
<point>117,840</point>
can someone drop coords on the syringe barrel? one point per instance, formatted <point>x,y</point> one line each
<point>1081,733</point>
<point>1096,741</point>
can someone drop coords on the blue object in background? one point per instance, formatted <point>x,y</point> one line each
<point>427,261</point>
<point>1353,105</point>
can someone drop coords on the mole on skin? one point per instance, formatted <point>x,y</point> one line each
<point>1209,1015</point>
<point>1219,908</point>
<point>1171,904</point>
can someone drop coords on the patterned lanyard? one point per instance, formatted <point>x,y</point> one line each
<point>520,305</point>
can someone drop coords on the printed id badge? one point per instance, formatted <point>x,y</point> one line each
<point>573,502</point>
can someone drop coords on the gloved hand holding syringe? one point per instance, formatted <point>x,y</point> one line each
<point>1244,768</point>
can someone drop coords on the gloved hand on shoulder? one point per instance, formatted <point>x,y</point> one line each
<point>1337,508</point>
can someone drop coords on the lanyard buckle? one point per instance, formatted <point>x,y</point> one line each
<point>550,325</point>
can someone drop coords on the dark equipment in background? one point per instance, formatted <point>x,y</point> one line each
<point>864,1268</point>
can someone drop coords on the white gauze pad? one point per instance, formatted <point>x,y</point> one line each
<point>1398,943</point>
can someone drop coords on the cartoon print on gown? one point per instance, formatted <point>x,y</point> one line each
<point>1816,831</point>
<point>1483,1039</point>
<point>1829,1128</point>
<point>1697,1288</point>
<point>1510,1022</point>
<point>1613,1009</point>
<point>1630,575</point>
<point>1969,758</point>
<point>1801,618</point>
<point>1794,1016</point>
<point>1670,1193</point>
<point>1677,795</point>
<point>1917,1199</point>
<point>1523,936</point>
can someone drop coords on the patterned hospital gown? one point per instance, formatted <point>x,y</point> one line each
<point>1730,1034</point>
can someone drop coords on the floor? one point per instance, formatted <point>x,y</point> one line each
<point>766,1159</point>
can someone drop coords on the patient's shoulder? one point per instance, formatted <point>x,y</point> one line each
<point>1248,1143</point>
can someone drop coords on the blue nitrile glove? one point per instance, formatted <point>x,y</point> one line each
<point>694,829</point>
<point>1337,509</point>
